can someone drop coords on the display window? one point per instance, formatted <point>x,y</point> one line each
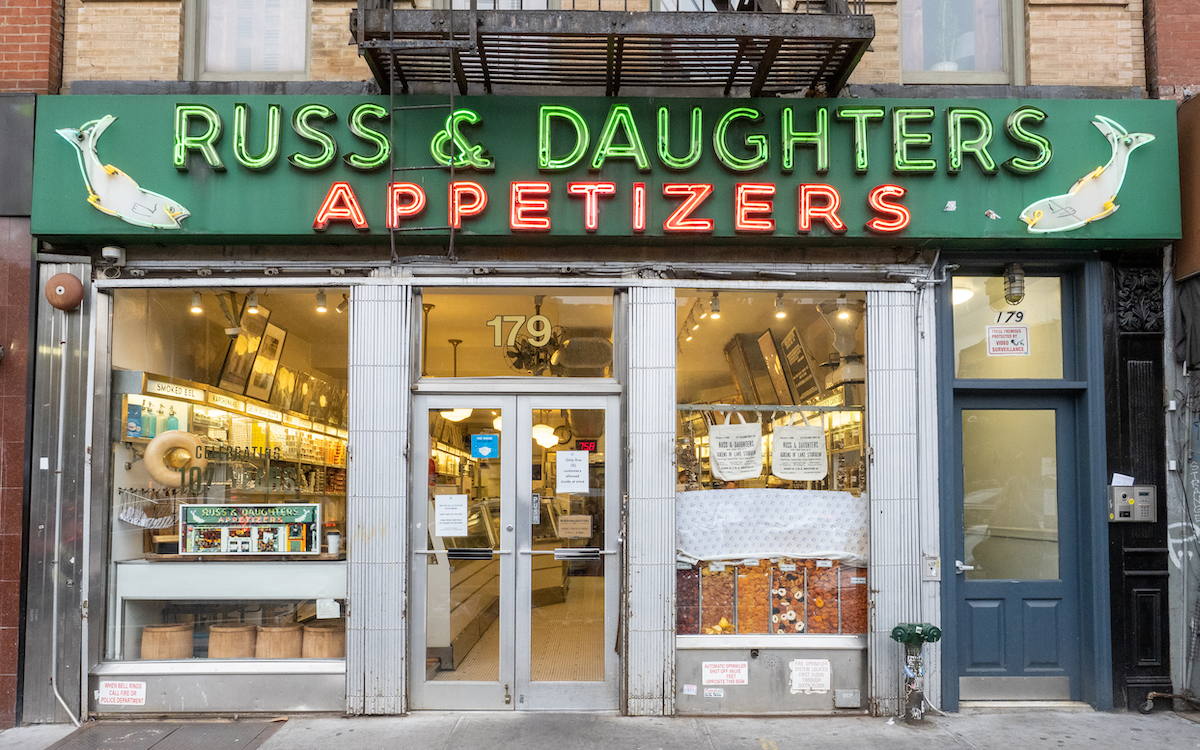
<point>229,474</point>
<point>771,503</point>
<point>535,332</point>
<point>1008,326</point>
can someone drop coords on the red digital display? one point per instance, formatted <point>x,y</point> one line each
<point>585,445</point>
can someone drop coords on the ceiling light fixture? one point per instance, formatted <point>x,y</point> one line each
<point>1014,284</point>
<point>779,311</point>
<point>961,295</point>
<point>321,301</point>
<point>252,303</point>
<point>543,435</point>
<point>345,303</point>
<point>456,415</point>
<point>197,307</point>
<point>714,307</point>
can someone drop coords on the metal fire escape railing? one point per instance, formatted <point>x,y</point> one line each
<point>753,47</point>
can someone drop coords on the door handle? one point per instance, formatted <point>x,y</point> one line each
<point>960,568</point>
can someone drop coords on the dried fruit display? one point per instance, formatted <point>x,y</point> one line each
<point>787,597</point>
<point>854,600</point>
<point>716,599</point>
<point>822,596</point>
<point>687,601</point>
<point>753,597</point>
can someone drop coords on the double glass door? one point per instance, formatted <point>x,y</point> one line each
<point>515,558</point>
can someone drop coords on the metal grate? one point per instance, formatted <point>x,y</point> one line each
<point>580,52</point>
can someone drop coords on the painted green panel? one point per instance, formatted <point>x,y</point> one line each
<point>280,201</point>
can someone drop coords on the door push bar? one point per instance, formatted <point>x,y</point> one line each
<point>571,553</point>
<point>466,553</point>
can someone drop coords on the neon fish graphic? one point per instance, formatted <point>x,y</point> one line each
<point>112,191</point>
<point>1093,197</point>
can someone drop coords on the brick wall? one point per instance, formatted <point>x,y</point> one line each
<point>1173,46</point>
<point>123,41</point>
<point>1085,43</point>
<point>333,58</point>
<point>881,63</point>
<point>31,46</point>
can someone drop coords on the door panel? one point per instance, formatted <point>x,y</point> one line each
<point>517,604</point>
<point>1017,590</point>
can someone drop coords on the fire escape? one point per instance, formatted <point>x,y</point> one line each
<point>629,47</point>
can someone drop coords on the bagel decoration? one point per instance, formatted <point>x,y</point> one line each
<point>64,291</point>
<point>172,455</point>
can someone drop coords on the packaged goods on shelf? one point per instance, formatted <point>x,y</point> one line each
<point>853,599</point>
<point>687,601</point>
<point>717,598</point>
<point>753,597</point>
<point>822,597</point>
<point>788,593</point>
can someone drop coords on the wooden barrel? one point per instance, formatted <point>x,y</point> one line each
<point>167,641</point>
<point>279,641</point>
<point>325,640</point>
<point>234,641</point>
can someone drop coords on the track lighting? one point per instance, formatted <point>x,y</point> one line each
<point>714,307</point>
<point>252,303</point>
<point>197,307</point>
<point>321,301</point>
<point>345,303</point>
<point>779,311</point>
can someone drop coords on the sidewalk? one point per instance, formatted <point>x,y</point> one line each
<point>1002,730</point>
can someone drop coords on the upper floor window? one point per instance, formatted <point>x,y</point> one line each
<point>959,41</point>
<point>250,39</point>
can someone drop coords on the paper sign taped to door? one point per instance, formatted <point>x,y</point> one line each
<point>450,515</point>
<point>574,527</point>
<point>1007,341</point>
<point>572,467</point>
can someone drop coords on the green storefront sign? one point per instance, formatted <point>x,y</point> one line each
<point>248,515</point>
<point>529,170</point>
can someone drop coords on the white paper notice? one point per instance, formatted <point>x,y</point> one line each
<point>714,692</point>
<point>121,693</point>
<point>1007,341</point>
<point>810,675</point>
<point>574,527</point>
<point>798,453</point>
<point>689,689</point>
<point>328,609</point>
<point>450,515</point>
<point>1121,480</point>
<point>572,472</point>
<point>725,672</point>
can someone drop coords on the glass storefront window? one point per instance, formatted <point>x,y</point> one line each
<point>229,475</point>
<point>535,332</point>
<point>771,515</point>
<point>996,339</point>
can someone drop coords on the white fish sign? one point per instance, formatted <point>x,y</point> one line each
<point>112,191</point>
<point>1093,196</point>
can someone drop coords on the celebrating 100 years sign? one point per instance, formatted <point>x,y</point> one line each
<point>320,169</point>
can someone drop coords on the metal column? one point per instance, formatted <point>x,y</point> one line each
<point>650,570</point>
<point>377,499</point>
<point>896,418</point>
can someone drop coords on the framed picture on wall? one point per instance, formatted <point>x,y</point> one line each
<point>285,384</point>
<point>266,363</point>
<point>240,357</point>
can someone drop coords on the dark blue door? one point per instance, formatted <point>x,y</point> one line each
<point>1015,576</point>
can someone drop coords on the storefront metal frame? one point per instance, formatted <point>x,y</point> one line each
<point>644,356</point>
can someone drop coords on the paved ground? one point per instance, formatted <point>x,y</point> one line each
<point>979,729</point>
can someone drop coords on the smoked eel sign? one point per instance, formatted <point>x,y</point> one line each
<point>507,169</point>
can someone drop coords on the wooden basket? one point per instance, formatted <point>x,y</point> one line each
<point>279,641</point>
<point>233,641</point>
<point>167,641</point>
<point>325,640</point>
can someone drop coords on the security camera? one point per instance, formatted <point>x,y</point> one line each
<point>114,254</point>
<point>234,332</point>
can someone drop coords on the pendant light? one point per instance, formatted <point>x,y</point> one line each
<point>1014,284</point>
<point>456,415</point>
<point>197,307</point>
<point>252,303</point>
<point>321,301</point>
<point>780,312</point>
<point>714,307</point>
<point>345,303</point>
